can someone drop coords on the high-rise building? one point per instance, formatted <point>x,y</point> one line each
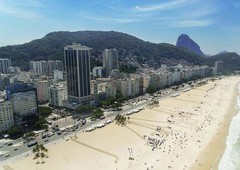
<point>23,98</point>
<point>42,90</point>
<point>6,115</point>
<point>57,94</point>
<point>98,72</point>
<point>218,65</point>
<point>59,75</point>
<point>77,67</point>
<point>110,60</point>
<point>4,64</point>
<point>45,67</point>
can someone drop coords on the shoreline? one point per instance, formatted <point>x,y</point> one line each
<point>211,156</point>
<point>193,121</point>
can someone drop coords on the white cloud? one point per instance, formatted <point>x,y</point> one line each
<point>112,20</point>
<point>162,6</point>
<point>192,23</point>
<point>200,12</point>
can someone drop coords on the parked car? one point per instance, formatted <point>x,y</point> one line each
<point>7,155</point>
<point>9,144</point>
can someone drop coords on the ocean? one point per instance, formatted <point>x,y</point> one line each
<point>231,156</point>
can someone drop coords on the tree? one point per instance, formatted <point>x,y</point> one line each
<point>150,90</point>
<point>30,135</point>
<point>41,123</point>
<point>42,155</point>
<point>15,131</point>
<point>85,109</point>
<point>122,120</point>
<point>37,156</point>
<point>97,113</point>
<point>36,149</point>
<point>46,151</point>
<point>40,151</point>
<point>44,111</point>
<point>116,105</point>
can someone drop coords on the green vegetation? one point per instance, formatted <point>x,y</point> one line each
<point>40,151</point>
<point>29,136</point>
<point>35,122</point>
<point>41,123</point>
<point>231,61</point>
<point>121,120</point>
<point>150,90</point>
<point>127,69</point>
<point>89,109</point>
<point>97,113</point>
<point>44,111</point>
<point>113,102</point>
<point>51,47</point>
<point>15,131</point>
<point>85,109</point>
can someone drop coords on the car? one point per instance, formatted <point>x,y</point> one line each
<point>59,133</point>
<point>92,118</point>
<point>9,144</point>
<point>83,121</point>
<point>46,140</point>
<point>7,155</point>
<point>15,149</point>
<point>102,117</point>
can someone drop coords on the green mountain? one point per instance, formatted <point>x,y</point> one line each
<point>51,47</point>
<point>231,61</point>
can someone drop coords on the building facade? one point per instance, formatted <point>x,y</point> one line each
<point>77,67</point>
<point>6,115</point>
<point>42,90</point>
<point>23,98</point>
<point>45,67</point>
<point>218,65</point>
<point>57,94</point>
<point>98,72</point>
<point>110,60</point>
<point>5,63</point>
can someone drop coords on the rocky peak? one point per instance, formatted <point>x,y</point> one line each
<point>185,41</point>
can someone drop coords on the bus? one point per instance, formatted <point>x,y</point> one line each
<point>32,143</point>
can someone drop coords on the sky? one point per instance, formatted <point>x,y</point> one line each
<point>213,24</point>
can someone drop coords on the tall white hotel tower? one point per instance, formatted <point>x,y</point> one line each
<point>77,67</point>
<point>110,60</point>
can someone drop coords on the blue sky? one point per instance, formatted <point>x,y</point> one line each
<point>213,24</point>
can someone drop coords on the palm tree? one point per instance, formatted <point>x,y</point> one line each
<point>42,155</point>
<point>45,151</point>
<point>40,151</point>
<point>41,147</point>
<point>36,149</point>
<point>37,155</point>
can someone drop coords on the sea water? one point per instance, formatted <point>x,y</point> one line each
<point>231,156</point>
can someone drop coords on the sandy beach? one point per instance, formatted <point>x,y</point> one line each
<point>181,133</point>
